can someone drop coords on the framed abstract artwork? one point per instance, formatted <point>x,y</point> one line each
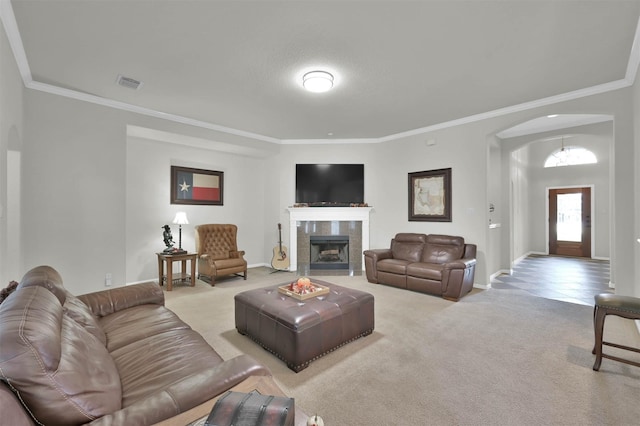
<point>196,186</point>
<point>430,196</point>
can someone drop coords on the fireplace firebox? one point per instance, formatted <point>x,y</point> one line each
<point>329,252</point>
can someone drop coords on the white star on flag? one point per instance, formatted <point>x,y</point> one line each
<point>184,187</point>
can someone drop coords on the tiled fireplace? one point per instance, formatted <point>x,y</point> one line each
<point>348,223</point>
<point>329,252</point>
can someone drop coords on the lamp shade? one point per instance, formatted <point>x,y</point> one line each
<point>317,81</point>
<point>181,218</point>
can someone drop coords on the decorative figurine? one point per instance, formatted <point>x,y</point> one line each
<point>168,239</point>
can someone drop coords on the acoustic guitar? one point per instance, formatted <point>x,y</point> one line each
<point>280,259</point>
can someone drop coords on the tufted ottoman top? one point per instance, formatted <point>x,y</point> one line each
<point>300,331</point>
<point>299,315</point>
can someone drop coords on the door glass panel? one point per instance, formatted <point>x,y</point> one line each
<point>569,220</point>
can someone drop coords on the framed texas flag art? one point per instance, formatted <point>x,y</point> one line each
<point>196,186</point>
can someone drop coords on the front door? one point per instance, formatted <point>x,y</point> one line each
<point>570,222</point>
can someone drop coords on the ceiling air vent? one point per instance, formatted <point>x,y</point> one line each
<point>128,82</point>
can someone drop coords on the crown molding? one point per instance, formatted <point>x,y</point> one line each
<point>15,41</point>
<point>13,34</point>
<point>81,96</point>
<point>576,94</point>
<point>328,141</point>
<point>634,57</point>
<point>178,139</point>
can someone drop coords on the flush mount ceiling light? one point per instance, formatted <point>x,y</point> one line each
<point>317,81</point>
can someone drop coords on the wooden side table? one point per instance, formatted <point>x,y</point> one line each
<point>169,259</point>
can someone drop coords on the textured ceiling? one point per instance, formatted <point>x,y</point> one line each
<point>399,65</point>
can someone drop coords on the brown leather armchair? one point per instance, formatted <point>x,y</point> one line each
<point>218,252</point>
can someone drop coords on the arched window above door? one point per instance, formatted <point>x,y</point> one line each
<point>570,156</point>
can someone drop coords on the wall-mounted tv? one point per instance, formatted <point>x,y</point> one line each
<point>329,184</point>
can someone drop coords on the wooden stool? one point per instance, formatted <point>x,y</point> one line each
<point>612,304</point>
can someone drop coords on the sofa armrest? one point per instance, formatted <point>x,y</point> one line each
<point>457,278</point>
<point>189,392</point>
<point>460,264</point>
<point>371,258</point>
<point>378,254</point>
<point>106,302</point>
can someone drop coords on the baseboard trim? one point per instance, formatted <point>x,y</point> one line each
<point>482,286</point>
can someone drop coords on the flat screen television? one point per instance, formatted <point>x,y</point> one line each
<point>329,184</point>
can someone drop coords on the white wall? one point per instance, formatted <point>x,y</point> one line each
<point>635,177</point>
<point>148,207</point>
<point>11,121</point>
<point>495,197</point>
<point>463,149</point>
<point>76,177</point>
<point>519,206</point>
<point>74,190</point>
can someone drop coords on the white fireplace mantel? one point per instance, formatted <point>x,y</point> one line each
<point>299,214</point>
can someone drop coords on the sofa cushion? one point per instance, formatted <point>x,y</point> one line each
<point>75,309</point>
<point>60,370</point>
<point>408,246</point>
<point>393,266</point>
<point>137,323</point>
<point>442,249</point>
<point>154,363</point>
<point>47,277</point>
<point>429,271</point>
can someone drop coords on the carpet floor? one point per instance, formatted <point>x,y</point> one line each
<point>493,358</point>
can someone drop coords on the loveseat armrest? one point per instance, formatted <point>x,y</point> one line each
<point>379,254</point>
<point>371,258</point>
<point>106,302</point>
<point>189,392</point>
<point>457,278</point>
<point>460,264</point>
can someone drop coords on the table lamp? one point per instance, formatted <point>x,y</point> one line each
<point>180,219</point>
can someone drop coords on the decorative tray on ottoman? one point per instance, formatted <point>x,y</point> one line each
<point>303,289</point>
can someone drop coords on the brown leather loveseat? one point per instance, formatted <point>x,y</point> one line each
<point>114,357</point>
<point>435,264</point>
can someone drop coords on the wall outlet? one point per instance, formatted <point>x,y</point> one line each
<point>107,279</point>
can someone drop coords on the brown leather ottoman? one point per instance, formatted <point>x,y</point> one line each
<point>298,332</point>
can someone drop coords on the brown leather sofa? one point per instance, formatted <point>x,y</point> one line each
<point>218,252</point>
<point>435,264</point>
<point>114,357</point>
